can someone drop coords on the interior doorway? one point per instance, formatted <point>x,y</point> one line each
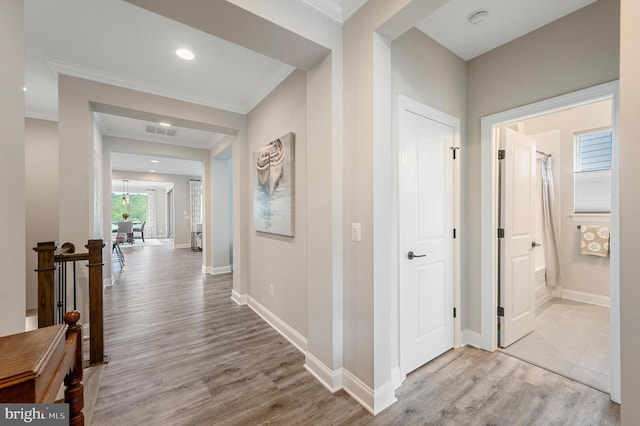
<point>428,198</point>
<point>569,309</point>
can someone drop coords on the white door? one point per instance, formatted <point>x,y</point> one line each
<point>426,230</point>
<point>517,218</point>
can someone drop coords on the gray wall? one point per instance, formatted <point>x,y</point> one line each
<point>279,260</point>
<point>41,155</point>
<point>12,167</point>
<point>426,71</point>
<point>221,213</point>
<point>578,51</point>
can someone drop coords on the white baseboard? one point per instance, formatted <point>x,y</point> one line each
<point>289,333</point>
<point>240,299</point>
<point>181,246</point>
<point>593,299</point>
<point>373,401</point>
<point>544,299</point>
<point>397,377</point>
<point>219,270</point>
<point>472,338</point>
<point>331,379</point>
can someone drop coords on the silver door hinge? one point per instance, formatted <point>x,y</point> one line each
<point>501,154</point>
<point>454,312</point>
<point>500,232</point>
<point>500,311</point>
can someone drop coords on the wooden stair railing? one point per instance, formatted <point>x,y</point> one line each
<point>34,364</point>
<point>52,294</point>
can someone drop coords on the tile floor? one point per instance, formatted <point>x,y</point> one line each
<point>571,339</point>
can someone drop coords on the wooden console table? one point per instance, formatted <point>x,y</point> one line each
<point>34,364</point>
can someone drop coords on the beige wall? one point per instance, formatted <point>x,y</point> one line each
<point>588,274</point>
<point>629,211</point>
<point>426,71</point>
<point>282,111</point>
<point>12,168</point>
<point>41,155</point>
<point>221,213</point>
<point>572,53</point>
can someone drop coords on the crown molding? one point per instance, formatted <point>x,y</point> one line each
<point>338,10</point>
<point>61,67</point>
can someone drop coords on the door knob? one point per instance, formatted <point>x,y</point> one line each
<point>411,255</point>
<point>534,244</point>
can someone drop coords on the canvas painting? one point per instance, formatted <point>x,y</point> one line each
<point>273,196</point>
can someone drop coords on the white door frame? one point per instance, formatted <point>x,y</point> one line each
<point>489,213</point>
<point>405,102</point>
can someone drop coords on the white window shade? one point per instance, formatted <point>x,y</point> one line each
<point>592,191</point>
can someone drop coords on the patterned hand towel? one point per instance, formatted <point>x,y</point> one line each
<point>594,240</point>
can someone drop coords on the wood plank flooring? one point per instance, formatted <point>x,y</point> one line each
<point>183,353</point>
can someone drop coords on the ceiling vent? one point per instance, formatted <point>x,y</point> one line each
<point>159,130</point>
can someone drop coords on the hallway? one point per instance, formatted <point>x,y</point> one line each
<point>182,352</point>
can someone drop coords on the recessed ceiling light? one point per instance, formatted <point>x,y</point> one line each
<point>24,88</point>
<point>478,16</point>
<point>164,124</point>
<point>152,171</point>
<point>185,54</point>
<point>154,161</point>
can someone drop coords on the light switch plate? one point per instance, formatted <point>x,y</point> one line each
<point>356,232</point>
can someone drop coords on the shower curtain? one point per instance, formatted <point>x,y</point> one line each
<point>549,228</point>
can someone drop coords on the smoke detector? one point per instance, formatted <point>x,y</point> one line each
<point>477,17</point>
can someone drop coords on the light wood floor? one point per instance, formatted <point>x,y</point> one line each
<point>182,353</point>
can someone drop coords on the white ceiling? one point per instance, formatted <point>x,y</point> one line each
<point>138,186</point>
<point>115,42</point>
<point>508,20</point>
<point>145,164</point>
<point>131,128</point>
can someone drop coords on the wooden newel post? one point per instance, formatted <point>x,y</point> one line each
<point>46,280</point>
<point>74,391</point>
<point>96,335</point>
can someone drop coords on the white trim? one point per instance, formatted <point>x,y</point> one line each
<point>330,379</point>
<point>288,332</point>
<point>544,299</point>
<point>240,299</point>
<point>406,103</point>
<point>338,11</point>
<point>472,338</point>
<point>373,401</point>
<point>93,74</point>
<point>590,298</point>
<point>218,270</point>
<point>591,217</point>
<point>85,331</point>
<point>181,246</point>
<point>488,211</point>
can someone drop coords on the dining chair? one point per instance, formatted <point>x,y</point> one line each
<point>126,229</point>
<point>140,228</point>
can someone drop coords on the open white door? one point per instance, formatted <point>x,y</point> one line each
<point>426,240</point>
<point>517,218</point>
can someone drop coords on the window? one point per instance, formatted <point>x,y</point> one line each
<point>592,172</point>
<point>136,209</point>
